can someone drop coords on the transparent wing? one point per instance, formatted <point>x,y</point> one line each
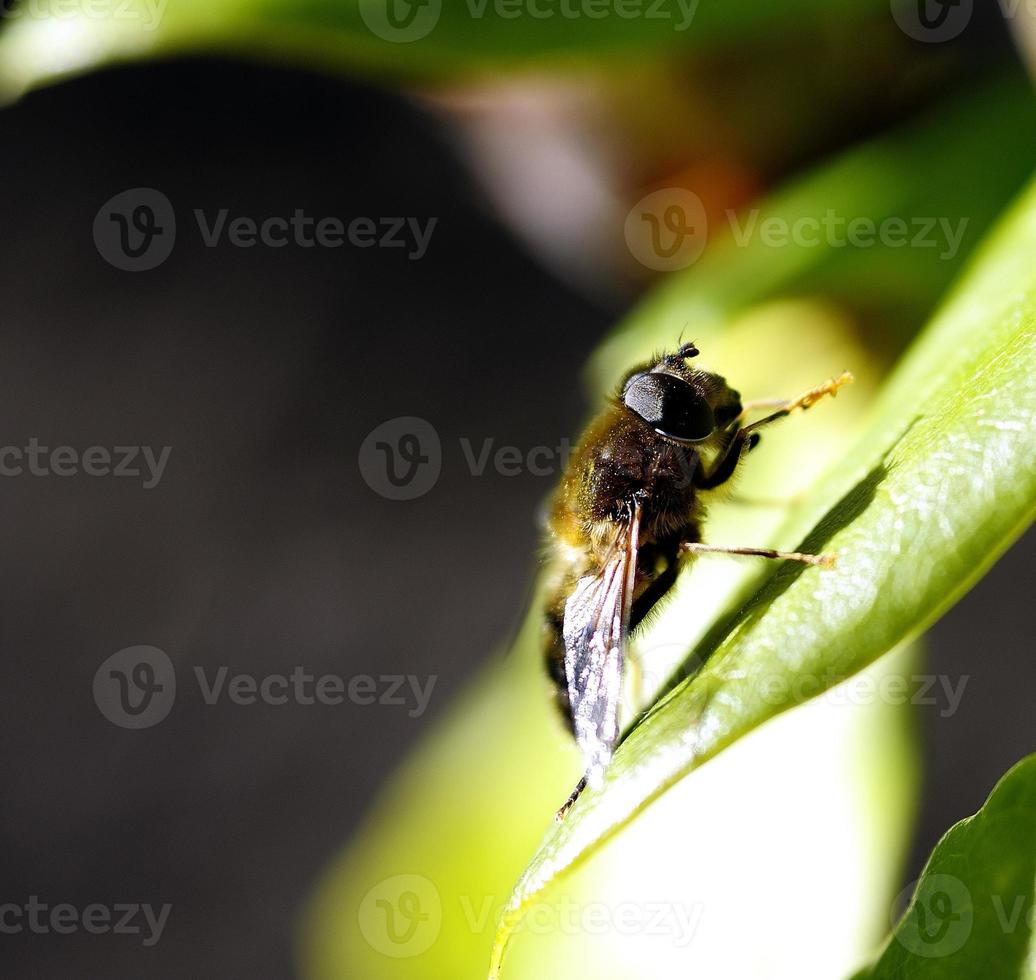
<point>596,631</point>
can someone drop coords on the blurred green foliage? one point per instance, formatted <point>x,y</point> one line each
<point>404,38</point>
<point>927,169</point>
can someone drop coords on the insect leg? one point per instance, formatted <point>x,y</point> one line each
<point>724,467</point>
<point>727,463</point>
<point>567,805</point>
<point>659,585</point>
<point>698,548</point>
<point>804,401</point>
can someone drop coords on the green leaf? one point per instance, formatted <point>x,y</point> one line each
<point>973,912</point>
<point>942,482</point>
<point>434,38</point>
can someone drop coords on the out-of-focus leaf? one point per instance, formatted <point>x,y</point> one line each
<point>973,911</point>
<point>427,38</point>
<point>940,484</point>
<point>923,175</point>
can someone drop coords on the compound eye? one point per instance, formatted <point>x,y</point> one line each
<point>671,406</point>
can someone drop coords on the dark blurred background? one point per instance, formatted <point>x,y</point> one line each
<point>262,547</point>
